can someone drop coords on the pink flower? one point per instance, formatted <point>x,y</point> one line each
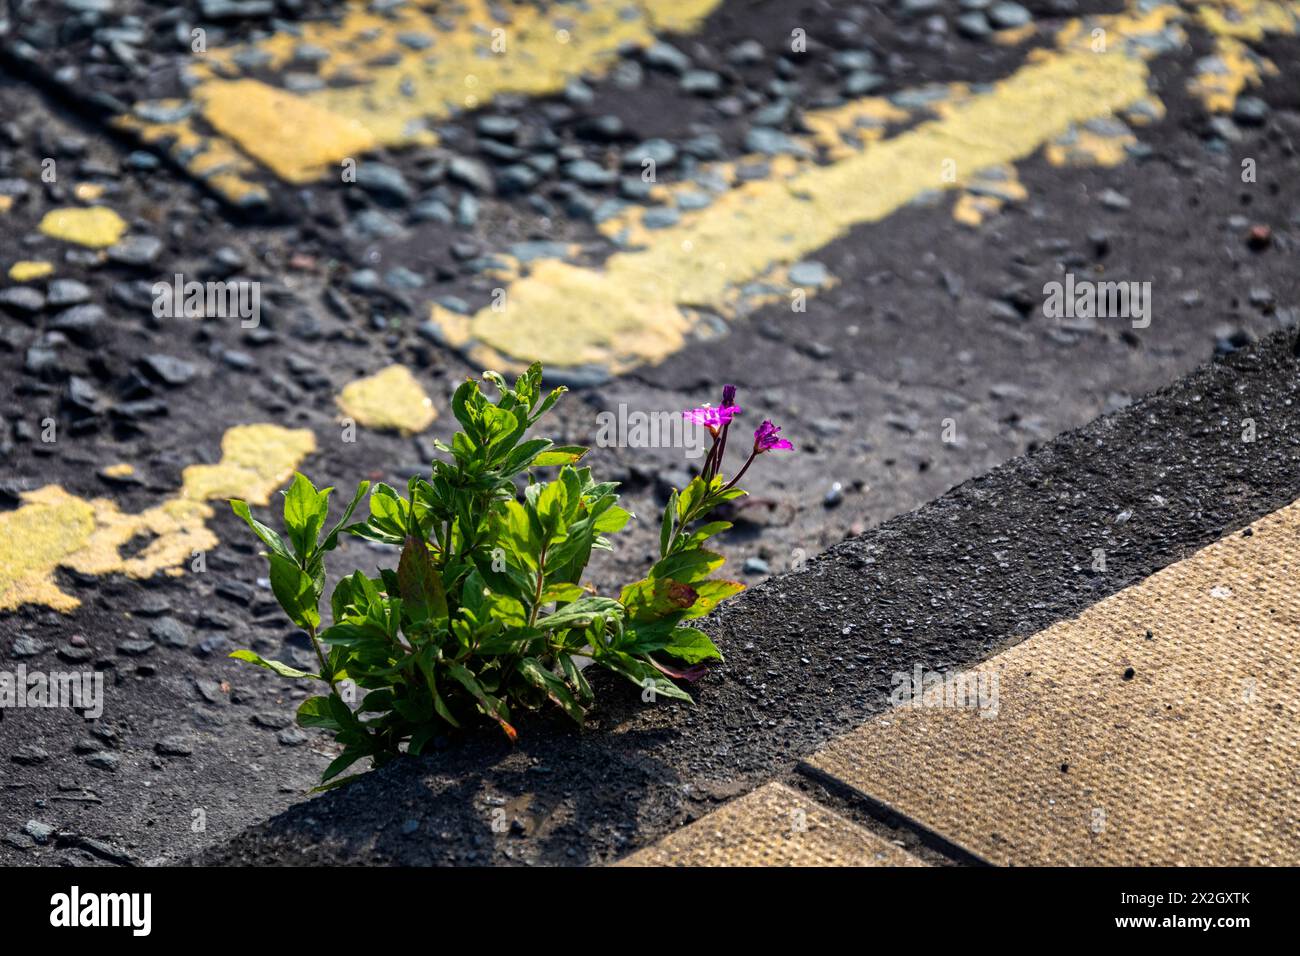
<point>767,437</point>
<point>710,417</point>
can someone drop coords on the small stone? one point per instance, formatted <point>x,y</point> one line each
<point>38,831</point>
<point>28,646</point>
<point>291,737</point>
<point>1113,200</point>
<point>135,647</point>
<point>169,632</point>
<point>384,182</point>
<point>472,173</point>
<point>1250,111</point>
<point>22,299</point>
<point>136,251</point>
<point>665,56</point>
<point>176,746</point>
<point>834,496</point>
<point>67,292</point>
<point>168,369</point>
<point>701,82</point>
<point>756,565</point>
<point>1008,16</point>
<point>30,755</point>
<point>270,720</point>
<point>104,761</point>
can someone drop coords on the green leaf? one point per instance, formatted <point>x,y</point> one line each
<point>709,594</point>
<point>418,581</point>
<point>532,671</point>
<point>688,566</point>
<point>269,537</point>
<point>305,510</point>
<point>653,598</point>
<point>332,539</point>
<point>295,590</point>
<point>284,670</point>
<point>669,522</point>
<point>560,455</point>
<point>315,712</point>
<point>691,645</point>
<point>346,759</point>
<point>579,612</point>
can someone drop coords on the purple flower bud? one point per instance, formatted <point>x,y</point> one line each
<point>767,437</point>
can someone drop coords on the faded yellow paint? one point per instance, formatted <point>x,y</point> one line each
<point>94,226</point>
<point>1249,19</point>
<point>986,193</point>
<point>120,470</point>
<point>88,192</point>
<point>642,304</point>
<point>383,90</point>
<point>212,159</point>
<point>294,137</point>
<point>6,203</point>
<point>1236,67</point>
<point>1091,147</point>
<point>390,400</point>
<point>53,529</point>
<point>27,270</point>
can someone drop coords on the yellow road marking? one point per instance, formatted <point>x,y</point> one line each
<point>642,304</point>
<point>27,270</point>
<point>93,226</point>
<point>390,400</point>
<point>1104,746</point>
<point>53,529</point>
<point>773,826</point>
<point>390,77</point>
<point>6,203</point>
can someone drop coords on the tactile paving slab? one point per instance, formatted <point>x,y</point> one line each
<point>1159,727</point>
<point>772,826</point>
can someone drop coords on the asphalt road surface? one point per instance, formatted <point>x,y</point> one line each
<point>926,237</point>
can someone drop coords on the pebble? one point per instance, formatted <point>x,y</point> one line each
<point>585,172</point>
<point>665,56</point>
<point>176,746</point>
<point>65,292</point>
<point>104,761</point>
<point>659,151</point>
<point>1250,111</point>
<point>136,251</point>
<point>22,299</point>
<point>38,831</point>
<point>1007,16</point>
<point>974,25</point>
<point>28,646</point>
<point>135,647</point>
<point>756,565</point>
<point>169,632</point>
<point>834,496</point>
<point>386,183</point>
<point>291,737</point>
<point>168,369</point>
<point>701,82</point>
<point>1113,200</point>
<point>271,720</point>
<point>472,173</point>
<point>30,755</point>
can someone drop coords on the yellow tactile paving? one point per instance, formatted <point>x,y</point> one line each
<point>53,529</point>
<point>389,400</point>
<point>772,826</point>
<point>1159,727</point>
<point>388,78</point>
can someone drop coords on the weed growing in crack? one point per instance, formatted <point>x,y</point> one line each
<point>486,611</point>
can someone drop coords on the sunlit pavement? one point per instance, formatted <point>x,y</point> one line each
<point>857,219</point>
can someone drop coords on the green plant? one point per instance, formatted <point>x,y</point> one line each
<point>486,610</point>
